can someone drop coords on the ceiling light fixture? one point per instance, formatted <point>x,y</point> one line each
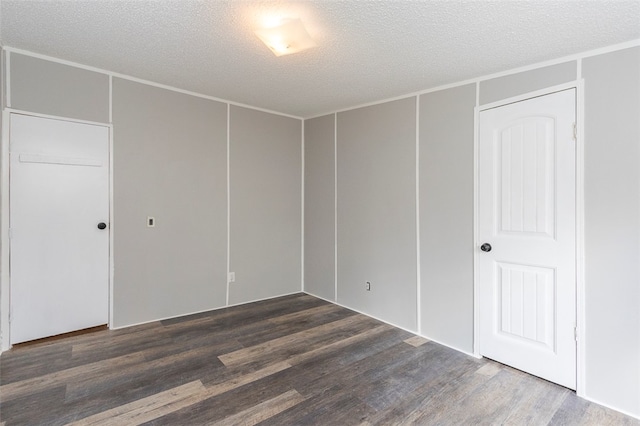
<point>290,36</point>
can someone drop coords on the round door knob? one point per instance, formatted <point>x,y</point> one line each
<point>102,225</point>
<point>486,247</point>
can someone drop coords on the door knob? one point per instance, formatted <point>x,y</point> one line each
<point>486,247</point>
<point>102,225</point>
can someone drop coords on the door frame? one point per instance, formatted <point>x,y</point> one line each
<point>5,244</point>
<point>578,85</point>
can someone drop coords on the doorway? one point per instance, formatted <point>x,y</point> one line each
<point>59,226</point>
<point>527,235</point>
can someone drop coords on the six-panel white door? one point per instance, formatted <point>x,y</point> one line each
<point>59,194</point>
<point>527,211</point>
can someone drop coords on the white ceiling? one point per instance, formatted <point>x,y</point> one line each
<point>367,50</point>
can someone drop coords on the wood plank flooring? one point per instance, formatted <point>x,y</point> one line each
<point>294,360</point>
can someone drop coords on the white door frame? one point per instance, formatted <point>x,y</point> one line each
<point>580,296</point>
<point>5,278</point>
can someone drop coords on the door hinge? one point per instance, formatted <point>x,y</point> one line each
<point>575,132</point>
<point>575,333</point>
<point>10,234</point>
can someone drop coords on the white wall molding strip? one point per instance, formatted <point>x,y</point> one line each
<point>143,81</point>
<point>537,65</point>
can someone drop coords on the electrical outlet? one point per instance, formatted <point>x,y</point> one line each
<point>232,277</point>
<point>368,286</point>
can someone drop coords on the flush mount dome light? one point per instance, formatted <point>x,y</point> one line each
<point>288,37</point>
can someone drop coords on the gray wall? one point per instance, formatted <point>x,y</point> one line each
<point>612,215</point>
<point>376,207</point>
<point>368,169</point>
<point>507,86</point>
<point>377,211</point>
<point>169,162</point>
<point>319,206</point>
<point>612,228</point>
<point>266,203</point>
<point>446,215</point>
<point>55,89</point>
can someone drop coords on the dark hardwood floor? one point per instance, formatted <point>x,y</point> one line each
<point>294,360</point>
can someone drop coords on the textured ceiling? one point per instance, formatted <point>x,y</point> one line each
<point>366,51</point>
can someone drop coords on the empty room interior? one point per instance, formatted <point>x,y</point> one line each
<point>320,212</point>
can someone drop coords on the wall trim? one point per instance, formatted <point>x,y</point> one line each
<point>57,117</point>
<point>530,95</point>
<point>581,317</point>
<point>476,296</point>
<point>5,278</point>
<point>392,324</point>
<point>580,296</point>
<point>572,57</point>
<point>228,201</point>
<point>5,288</point>
<point>609,406</point>
<point>120,327</point>
<point>110,99</point>
<point>418,267</point>
<point>302,171</point>
<point>537,65</point>
<point>7,77</point>
<point>112,263</point>
<point>143,81</point>
<point>335,206</point>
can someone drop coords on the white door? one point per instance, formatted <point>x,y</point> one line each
<point>59,194</point>
<point>527,211</point>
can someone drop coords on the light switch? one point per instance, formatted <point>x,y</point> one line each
<point>151,222</point>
